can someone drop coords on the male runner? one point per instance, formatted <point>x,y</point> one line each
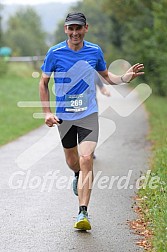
<point>74,63</point>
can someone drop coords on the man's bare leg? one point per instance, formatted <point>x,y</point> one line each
<point>72,158</point>
<point>84,164</point>
<point>85,179</point>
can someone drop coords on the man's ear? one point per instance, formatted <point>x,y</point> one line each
<point>65,28</point>
<point>86,28</point>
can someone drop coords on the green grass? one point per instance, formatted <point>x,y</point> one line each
<point>154,205</point>
<point>17,85</point>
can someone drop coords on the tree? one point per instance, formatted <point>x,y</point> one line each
<point>1,39</point>
<point>159,42</point>
<point>24,34</point>
<point>142,31</point>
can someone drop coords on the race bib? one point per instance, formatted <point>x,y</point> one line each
<point>75,103</point>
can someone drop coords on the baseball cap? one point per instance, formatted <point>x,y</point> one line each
<point>75,18</point>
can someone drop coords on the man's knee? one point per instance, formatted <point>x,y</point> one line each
<point>86,159</point>
<point>72,158</point>
<point>86,149</point>
<point>72,161</point>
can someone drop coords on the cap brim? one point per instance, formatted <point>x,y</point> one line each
<point>74,22</point>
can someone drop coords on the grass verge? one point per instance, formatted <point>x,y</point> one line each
<point>17,85</point>
<point>153,201</point>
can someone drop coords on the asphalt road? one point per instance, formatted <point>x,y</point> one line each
<point>37,205</point>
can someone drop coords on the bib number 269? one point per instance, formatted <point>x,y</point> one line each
<point>76,103</point>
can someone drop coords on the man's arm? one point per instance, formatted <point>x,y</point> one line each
<point>101,86</point>
<point>131,74</point>
<point>50,119</point>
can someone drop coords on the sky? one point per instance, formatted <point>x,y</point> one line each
<point>35,1</point>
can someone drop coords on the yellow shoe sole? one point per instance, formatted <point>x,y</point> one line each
<point>83,225</point>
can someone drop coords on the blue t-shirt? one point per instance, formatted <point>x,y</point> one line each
<point>74,78</point>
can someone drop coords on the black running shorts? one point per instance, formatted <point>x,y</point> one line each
<point>77,131</point>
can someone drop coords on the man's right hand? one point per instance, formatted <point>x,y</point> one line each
<point>51,119</point>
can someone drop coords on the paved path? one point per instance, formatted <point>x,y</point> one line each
<point>37,210</point>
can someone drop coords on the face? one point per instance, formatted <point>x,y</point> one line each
<point>75,33</point>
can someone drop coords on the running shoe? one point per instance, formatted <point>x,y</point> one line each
<point>75,185</point>
<point>82,221</point>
